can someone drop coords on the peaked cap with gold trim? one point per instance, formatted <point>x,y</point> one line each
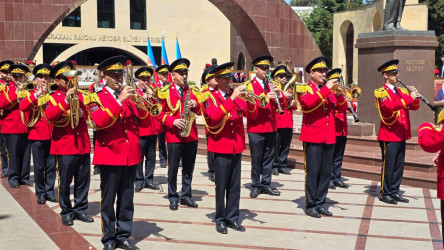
<point>317,63</point>
<point>115,63</point>
<point>223,69</point>
<point>4,65</point>
<point>162,68</point>
<point>18,69</point>
<point>179,64</point>
<point>281,69</point>
<point>391,65</point>
<point>42,69</point>
<point>144,72</point>
<point>206,74</point>
<point>61,68</point>
<point>334,73</point>
<point>262,60</point>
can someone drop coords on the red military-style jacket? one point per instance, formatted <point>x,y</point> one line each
<point>12,121</point>
<point>2,83</point>
<point>341,125</point>
<point>265,121</point>
<point>172,109</point>
<point>42,130</point>
<point>149,125</point>
<point>431,140</point>
<point>225,123</point>
<point>394,113</point>
<point>205,92</point>
<point>318,107</point>
<point>286,119</point>
<point>117,135</point>
<point>66,140</point>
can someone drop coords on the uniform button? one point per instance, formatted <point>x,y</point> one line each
<point>127,141</point>
<point>232,131</point>
<point>126,131</point>
<point>269,115</point>
<point>231,124</point>
<point>77,133</point>
<point>328,116</point>
<point>327,123</point>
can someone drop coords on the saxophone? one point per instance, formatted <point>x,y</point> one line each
<point>187,115</point>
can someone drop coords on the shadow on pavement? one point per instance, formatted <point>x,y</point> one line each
<point>143,229</point>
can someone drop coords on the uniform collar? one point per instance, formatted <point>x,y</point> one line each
<point>111,91</point>
<point>390,86</point>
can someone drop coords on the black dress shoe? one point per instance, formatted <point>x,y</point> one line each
<point>188,202</point>
<point>51,198</point>
<point>323,211</point>
<point>163,164</point>
<point>96,170</point>
<point>340,184</point>
<point>254,193</point>
<point>270,191</point>
<point>211,176</point>
<point>221,228</point>
<point>138,188</point>
<point>284,171</point>
<point>4,175</point>
<point>331,185</point>
<point>236,226</point>
<point>67,220</point>
<point>313,213</point>
<point>151,186</point>
<point>399,198</point>
<point>41,199</point>
<point>84,217</point>
<point>109,246</point>
<point>14,185</point>
<point>275,171</point>
<point>27,182</point>
<point>126,245</point>
<point>174,205</point>
<point>387,199</point>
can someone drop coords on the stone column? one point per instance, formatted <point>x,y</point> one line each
<point>415,51</point>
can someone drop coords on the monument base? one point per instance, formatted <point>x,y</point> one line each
<point>415,51</point>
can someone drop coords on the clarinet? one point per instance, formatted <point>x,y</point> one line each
<point>431,106</point>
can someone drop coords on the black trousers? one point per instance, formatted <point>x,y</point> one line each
<point>283,141</point>
<point>117,181</point>
<point>210,159</point>
<point>148,147</point>
<point>318,162</point>
<point>393,156</point>
<point>75,167</point>
<point>3,154</point>
<point>19,150</point>
<point>44,168</point>
<point>341,141</point>
<point>163,154</point>
<point>227,169</point>
<point>263,152</point>
<point>187,152</point>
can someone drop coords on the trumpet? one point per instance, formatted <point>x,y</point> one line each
<point>431,106</point>
<point>138,99</point>
<point>341,89</point>
<point>276,99</point>
<point>51,87</point>
<point>72,76</point>
<point>251,97</point>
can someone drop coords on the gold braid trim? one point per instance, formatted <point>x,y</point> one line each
<point>5,91</point>
<point>386,118</point>
<point>310,110</point>
<point>94,99</point>
<point>170,106</point>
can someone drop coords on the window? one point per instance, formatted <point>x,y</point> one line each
<point>105,14</point>
<point>73,19</point>
<point>138,14</point>
<point>52,50</point>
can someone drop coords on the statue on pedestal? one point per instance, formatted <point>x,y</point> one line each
<point>393,14</point>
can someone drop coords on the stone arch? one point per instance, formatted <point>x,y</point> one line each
<point>377,22</point>
<point>265,27</point>
<point>241,61</point>
<point>347,35</point>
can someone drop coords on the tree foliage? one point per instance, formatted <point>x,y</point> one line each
<point>303,2</point>
<point>320,21</point>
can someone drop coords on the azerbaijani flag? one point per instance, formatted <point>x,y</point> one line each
<point>178,54</point>
<point>164,53</point>
<point>151,59</point>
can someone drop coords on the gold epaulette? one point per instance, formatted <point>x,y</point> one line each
<point>196,90</point>
<point>204,87</point>
<point>438,127</point>
<point>22,94</point>
<point>86,96</point>
<point>440,117</point>
<point>164,92</point>
<point>2,87</point>
<point>204,96</point>
<point>43,100</point>
<point>404,91</point>
<point>304,88</point>
<point>381,93</point>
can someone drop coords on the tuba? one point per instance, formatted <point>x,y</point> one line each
<point>72,76</point>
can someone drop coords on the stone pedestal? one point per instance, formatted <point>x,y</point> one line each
<point>415,51</point>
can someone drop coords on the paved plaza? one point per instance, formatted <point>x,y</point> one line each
<point>360,220</point>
